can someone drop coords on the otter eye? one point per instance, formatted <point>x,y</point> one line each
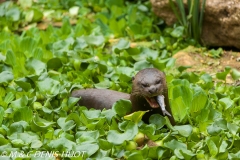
<point>158,81</point>
<point>145,84</point>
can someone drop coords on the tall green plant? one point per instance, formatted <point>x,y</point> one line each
<point>192,21</point>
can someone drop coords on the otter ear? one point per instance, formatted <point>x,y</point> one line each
<point>133,78</point>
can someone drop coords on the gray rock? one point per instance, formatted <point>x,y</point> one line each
<point>221,24</point>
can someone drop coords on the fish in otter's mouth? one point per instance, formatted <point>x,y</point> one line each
<point>158,101</point>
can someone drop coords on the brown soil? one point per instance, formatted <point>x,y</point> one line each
<point>201,62</point>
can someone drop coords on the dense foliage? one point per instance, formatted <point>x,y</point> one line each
<point>110,42</point>
<point>192,20</point>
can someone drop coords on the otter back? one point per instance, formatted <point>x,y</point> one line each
<point>99,98</point>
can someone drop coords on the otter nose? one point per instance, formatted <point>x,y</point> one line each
<point>152,89</point>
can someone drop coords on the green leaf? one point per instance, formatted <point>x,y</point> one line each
<point>216,53</point>
<point>1,115</point>
<point>6,77</point>
<point>39,124</point>
<point>179,110</point>
<point>177,32</point>
<point>109,114</point>
<point>199,101</point>
<point>146,53</point>
<point>66,27</point>
<point>25,3</point>
<point>38,15</point>
<point>86,140</point>
<point>46,106</point>
<point>54,63</point>
<point>133,51</point>
<point>36,66</point>
<point>19,103</point>
<point>117,26</point>
<point>94,40</point>
<point>190,76</point>
<point>125,73</point>
<point>181,89</point>
<point>222,123</point>
<point>66,125</point>
<point>92,114</point>
<point>235,74</point>
<point>111,3</point>
<point>18,127</point>
<point>13,14</point>
<point>9,97</point>
<point>135,155</point>
<point>75,117</point>
<point>104,144</point>
<point>62,46</point>
<point>73,11</point>
<point>26,137</point>
<point>36,144</point>
<point>28,44</point>
<point>170,63</point>
<point>87,149</point>
<point>93,134</point>
<point>60,143</point>
<point>18,143</point>
<point>3,93</point>
<point>2,57</point>
<point>226,102</point>
<point>223,75</point>
<point>236,90</point>
<point>117,138</point>
<point>121,45</point>
<point>212,147</point>
<point>80,44</point>
<point>187,154</point>
<point>208,81</point>
<point>223,149</point>
<point>233,128</point>
<point>143,8</point>
<point>122,107</point>
<point>49,86</point>
<point>184,130</point>
<point>174,144</point>
<point>3,141</point>
<point>183,68</point>
<point>158,120</point>
<point>103,85</point>
<point>24,84</point>
<point>142,65</point>
<point>72,101</point>
<point>214,129</point>
<point>24,113</point>
<point>11,58</point>
<point>8,147</point>
<point>135,116</point>
<point>234,155</point>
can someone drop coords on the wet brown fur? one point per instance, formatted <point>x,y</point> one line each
<point>145,84</point>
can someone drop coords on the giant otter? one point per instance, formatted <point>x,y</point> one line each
<point>149,92</point>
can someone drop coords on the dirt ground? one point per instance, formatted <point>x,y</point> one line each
<point>201,62</point>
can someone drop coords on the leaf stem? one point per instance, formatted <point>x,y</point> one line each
<point>164,138</point>
<point>189,120</point>
<point>232,142</point>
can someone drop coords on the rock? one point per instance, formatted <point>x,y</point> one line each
<point>221,24</point>
<point>184,59</point>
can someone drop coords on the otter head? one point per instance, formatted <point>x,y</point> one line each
<point>149,83</point>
